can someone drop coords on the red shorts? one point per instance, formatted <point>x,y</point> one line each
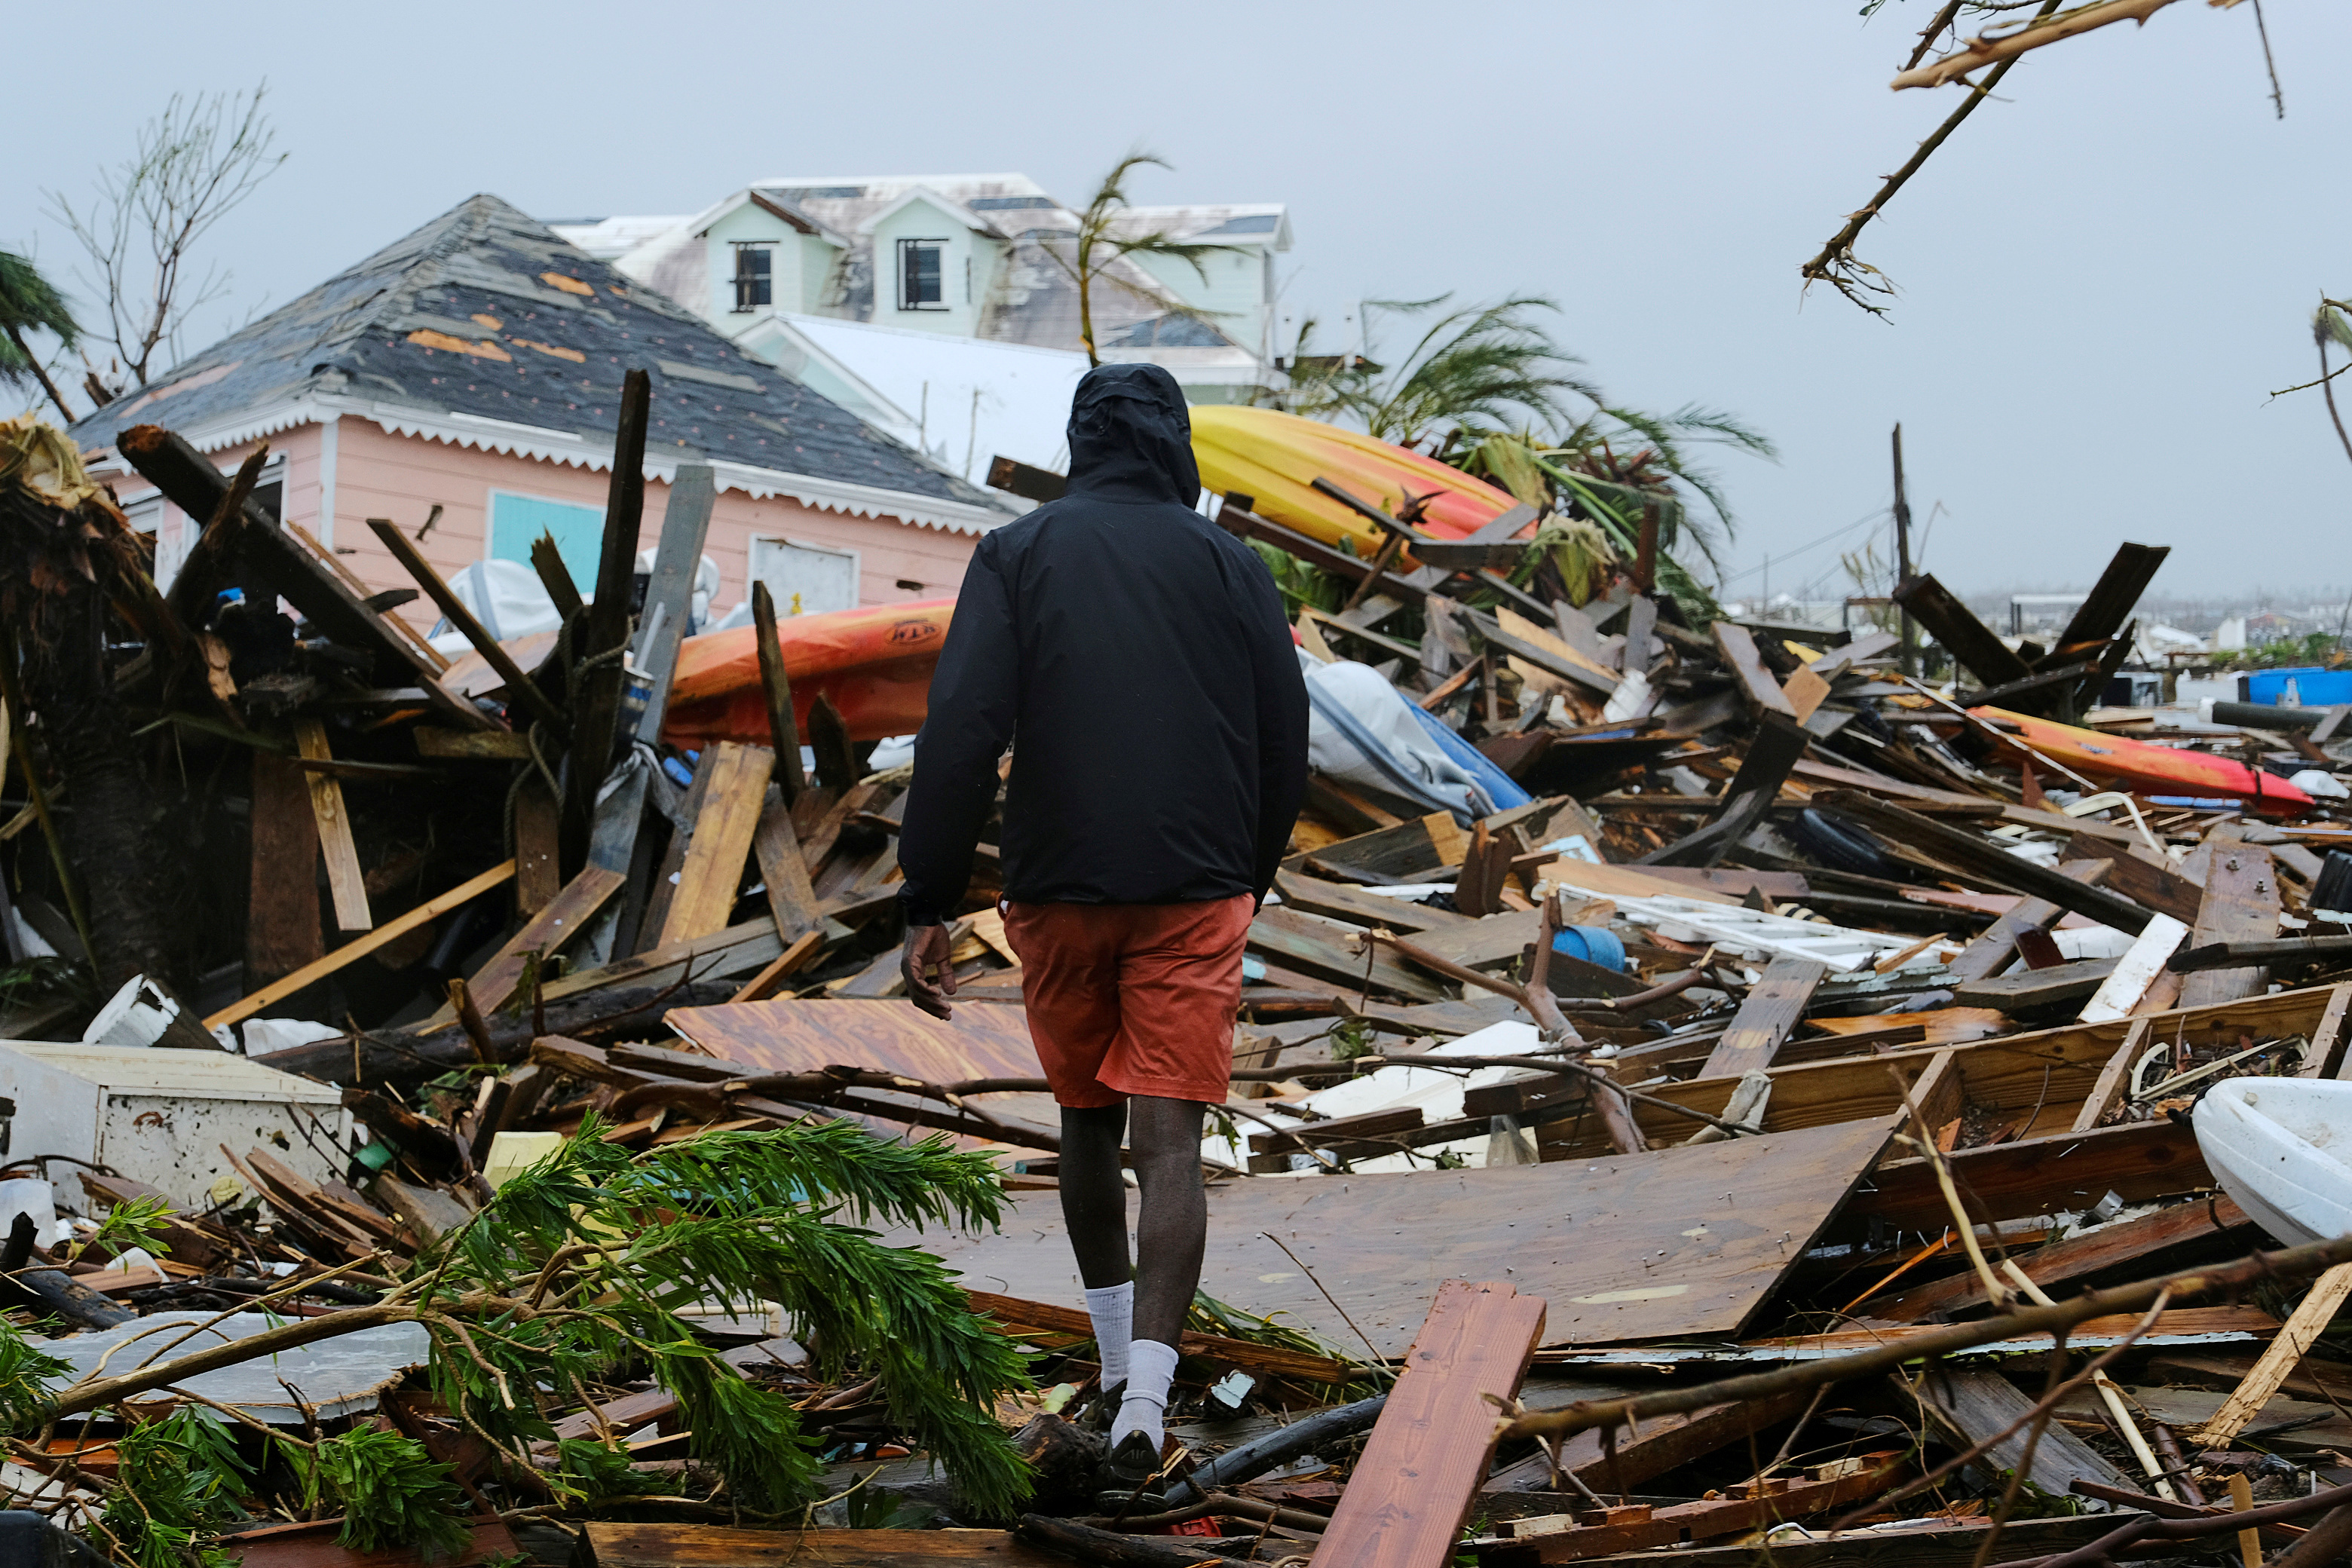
<point>1127,999</point>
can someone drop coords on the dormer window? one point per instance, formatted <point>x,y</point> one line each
<point>920,283</point>
<point>754,277</point>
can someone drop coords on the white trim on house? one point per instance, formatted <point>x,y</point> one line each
<point>328,429</point>
<point>593,453</point>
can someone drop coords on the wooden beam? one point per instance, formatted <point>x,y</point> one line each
<point>1965,637</point>
<point>281,925</point>
<point>776,686</point>
<point>1973,1404</point>
<point>565,917</point>
<point>792,898</point>
<point>538,849</point>
<point>1412,1489</point>
<point>2241,904</point>
<point>2127,577</point>
<point>1984,861</point>
<point>604,626</point>
<point>346,879</point>
<point>1995,946</point>
<point>2304,1326</point>
<point>1763,1023</point>
<point>2160,888</point>
<point>2107,1090</point>
<point>270,995</point>
<point>713,868</point>
<point>519,686</point>
<point>1738,645</point>
<point>673,1545</point>
<point>2023,989</point>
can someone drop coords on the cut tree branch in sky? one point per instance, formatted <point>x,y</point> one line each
<point>1985,51</point>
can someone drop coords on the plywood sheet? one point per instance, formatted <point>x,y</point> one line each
<point>1667,1244</point>
<point>787,1035</point>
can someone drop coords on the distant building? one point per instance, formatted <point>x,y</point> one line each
<point>476,365</point>
<point>970,255</point>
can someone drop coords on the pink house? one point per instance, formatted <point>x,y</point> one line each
<point>474,367</point>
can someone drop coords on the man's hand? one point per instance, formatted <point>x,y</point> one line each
<point>925,955</point>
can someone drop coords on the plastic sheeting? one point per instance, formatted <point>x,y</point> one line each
<point>1360,730</point>
<point>508,598</point>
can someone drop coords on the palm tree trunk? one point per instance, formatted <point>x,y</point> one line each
<point>47,384</point>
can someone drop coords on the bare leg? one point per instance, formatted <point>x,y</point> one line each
<point>1173,1232</point>
<point>1094,1194</point>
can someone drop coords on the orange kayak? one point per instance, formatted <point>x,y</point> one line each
<point>1276,458</point>
<point>2154,769</point>
<point>875,664</point>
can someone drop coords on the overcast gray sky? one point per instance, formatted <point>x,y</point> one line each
<point>2102,274</point>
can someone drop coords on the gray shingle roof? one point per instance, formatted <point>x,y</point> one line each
<point>484,311</point>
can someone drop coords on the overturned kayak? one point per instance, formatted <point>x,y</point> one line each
<point>874,664</point>
<point>2276,1145</point>
<point>2152,770</point>
<point>1276,458</point>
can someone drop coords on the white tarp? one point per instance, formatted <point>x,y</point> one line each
<point>1360,730</point>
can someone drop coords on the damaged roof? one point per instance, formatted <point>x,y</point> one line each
<point>486,317</point>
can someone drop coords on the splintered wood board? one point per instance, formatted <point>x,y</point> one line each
<point>787,1035</point>
<point>1672,1243</point>
<point>716,1546</point>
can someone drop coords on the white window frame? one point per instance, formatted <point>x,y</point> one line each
<point>853,556</point>
<point>902,248</point>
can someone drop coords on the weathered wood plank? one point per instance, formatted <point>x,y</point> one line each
<point>1996,946</point>
<point>2241,904</point>
<point>2159,887</point>
<point>2108,1092</point>
<point>567,914</point>
<point>281,931</point>
<point>2304,1326</point>
<point>791,898</point>
<point>2218,1226</point>
<point>1974,1404</point>
<point>712,871</point>
<point>668,1546</point>
<point>1983,861</point>
<point>1763,692</point>
<point>1773,1006</point>
<point>346,877</point>
<point>1411,1490</point>
<point>2021,989</point>
<point>539,852</point>
<point>1302,942</point>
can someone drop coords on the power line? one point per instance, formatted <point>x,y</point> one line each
<point>1874,515</point>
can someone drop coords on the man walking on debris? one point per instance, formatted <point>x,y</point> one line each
<point>1137,658</point>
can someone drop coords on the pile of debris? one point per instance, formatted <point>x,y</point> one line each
<point>1688,1075</point>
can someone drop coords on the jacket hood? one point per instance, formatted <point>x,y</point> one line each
<point>1131,437</point>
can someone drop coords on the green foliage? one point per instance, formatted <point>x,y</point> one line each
<point>1300,584</point>
<point>594,1470</point>
<point>139,1222</point>
<point>1481,363</point>
<point>391,1491</point>
<point>180,1478</point>
<point>23,1373</point>
<point>623,1242</point>
<point>30,303</point>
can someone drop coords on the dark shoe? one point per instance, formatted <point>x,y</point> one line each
<point>1098,1414</point>
<point>1124,1482</point>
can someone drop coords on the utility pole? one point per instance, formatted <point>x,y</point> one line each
<point>1903,556</point>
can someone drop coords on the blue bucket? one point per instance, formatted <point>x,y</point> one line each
<point>1593,944</point>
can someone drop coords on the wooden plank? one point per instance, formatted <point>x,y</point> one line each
<point>1768,1503</point>
<point>2022,989</point>
<point>519,687</point>
<point>2159,887</point>
<point>1762,1025</point>
<point>1995,947</point>
<point>776,688</point>
<point>1967,638</point>
<point>2179,1235</point>
<point>737,949</point>
<point>1621,1246</point>
<point>2326,1052</point>
<point>668,1546</point>
<point>270,995</point>
<point>1314,947</point>
<point>2136,972</point>
<point>2241,904</point>
<point>1763,692</point>
<point>1984,861</point>
<point>1972,1405</point>
<point>1410,1490</point>
<point>538,823</point>
<point>472,745</point>
<point>2139,1161</point>
<point>712,874</point>
<point>2113,1078</point>
<point>567,914</point>
<point>1346,901</point>
<point>796,956</point>
<point>1663,1444</point>
<point>346,879</point>
<point>281,929</point>
<point>1953,1545</point>
<point>792,899</point>
<point>1273,1361</point>
<point>2102,616</point>
<point>2304,1326</point>
<point>313,1544</point>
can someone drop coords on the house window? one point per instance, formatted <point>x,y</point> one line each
<point>920,262</point>
<point>754,276</point>
<point>805,579</point>
<point>516,522</point>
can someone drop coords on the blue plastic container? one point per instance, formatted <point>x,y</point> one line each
<point>1593,944</point>
<point>2315,686</point>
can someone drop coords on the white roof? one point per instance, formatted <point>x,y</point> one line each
<point>196,1075</point>
<point>929,382</point>
<point>607,237</point>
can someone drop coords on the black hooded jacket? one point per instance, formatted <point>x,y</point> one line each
<point>1136,656</point>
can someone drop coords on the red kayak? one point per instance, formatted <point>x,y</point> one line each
<point>2154,769</point>
<point>875,664</point>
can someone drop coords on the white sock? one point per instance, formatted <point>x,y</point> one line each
<point>1151,1367</point>
<point>1113,1311</point>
